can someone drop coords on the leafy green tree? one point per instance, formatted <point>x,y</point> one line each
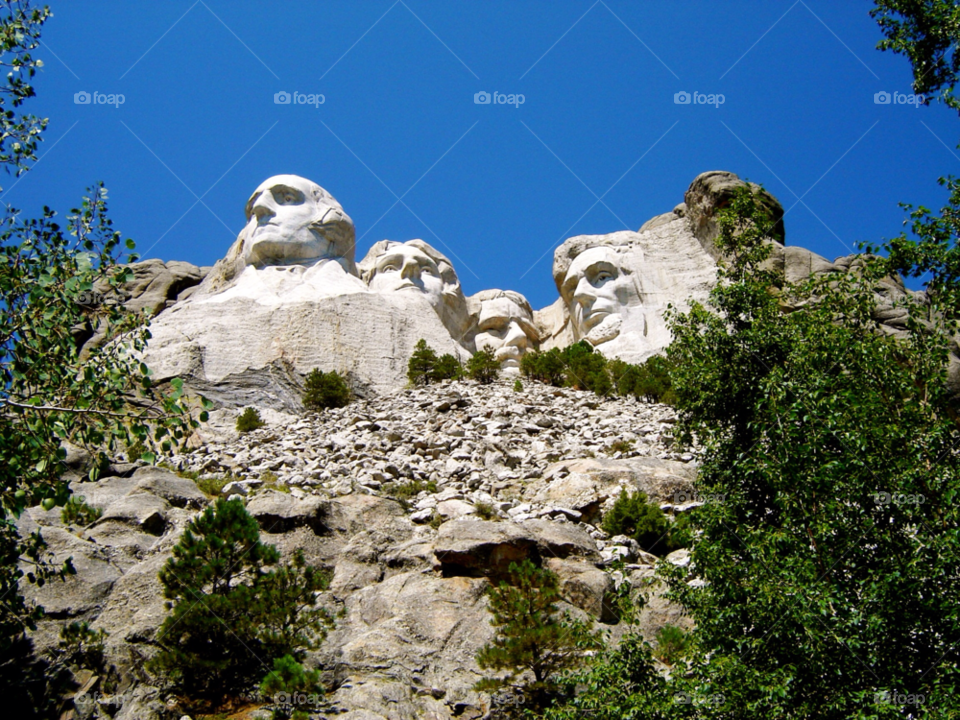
<point>483,367</point>
<point>618,683</point>
<point>325,390</point>
<point>834,448</point>
<point>422,363</point>
<point>249,420</point>
<point>229,611</point>
<point>532,637</point>
<point>926,31</point>
<point>50,391</point>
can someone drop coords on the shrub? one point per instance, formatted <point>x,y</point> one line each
<point>288,678</point>
<point>517,385</point>
<point>325,390</point>
<point>211,485</point>
<point>228,610</point>
<point>483,367</point>
<point>77,512</point>
<point>404,492</point>
<point>646,523</point>
<point>531,636</point>
<point>486,511</point>
<point>249,420</point>
<point>620,446</point>
<point>672,643</point>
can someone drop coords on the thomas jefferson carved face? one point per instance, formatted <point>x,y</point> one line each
<point>505,325</point>
<point>599,293</point>
<point>292,220</point>
<point>409,269</point>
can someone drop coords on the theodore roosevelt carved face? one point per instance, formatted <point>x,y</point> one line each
<point>505,325</point>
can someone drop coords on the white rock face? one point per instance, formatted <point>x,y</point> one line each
<point>225,343</point>
<point>287,298</point>
<point>417,268</point>
<point>615,288</point>
<point>504,324</point>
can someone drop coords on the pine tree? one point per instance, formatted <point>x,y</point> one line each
<point>483,367</point>
<point>230,612</point>
<point>532,638</point>
<point>421,365</point>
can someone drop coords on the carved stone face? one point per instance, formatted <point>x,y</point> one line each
<point>599,294</point>
<point>506,328</point>
<point>409,269</point>
<point>286,219</point>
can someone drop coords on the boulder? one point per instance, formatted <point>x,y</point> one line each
<point>586,485</point>
<point>712,191</point>
<point>584,586</point>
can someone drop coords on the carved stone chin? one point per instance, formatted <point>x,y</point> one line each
<point>604,331</point>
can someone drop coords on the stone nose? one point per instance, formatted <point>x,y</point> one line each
<point>263,207</point>
<point>583,295</point>
<point>515,335</point>
<point>410,270</point>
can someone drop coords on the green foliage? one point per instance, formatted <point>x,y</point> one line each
<point>672,644</point>
<point>77,512</point>
<point>289,682</point>
<point>546,367</point>
<point>447,368</point>
<point>517,385</point>
<point>579,366</point>
<point>228,610</point>
<point>249,420</point>
<point>211,485</point>
<point>486,511</point>
<point>325,390</point>
<point>532,637</point>
<point>620,446</point>
<point>649,381</point>
<point>834,448</point>
<point>620,682</point>
<point>926,32</point>
<point>405,492</point>
<point>424,367</point>
<point>645,522</point>
<point>483,367</point>
<point>55,288</point>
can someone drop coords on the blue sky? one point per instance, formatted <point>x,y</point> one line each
<point>598,145</point>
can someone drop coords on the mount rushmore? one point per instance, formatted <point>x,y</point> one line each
<point>289,296</point>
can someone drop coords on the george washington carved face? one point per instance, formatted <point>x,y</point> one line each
<point>293,220</point>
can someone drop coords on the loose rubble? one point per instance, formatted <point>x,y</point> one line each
<point>414,502</point>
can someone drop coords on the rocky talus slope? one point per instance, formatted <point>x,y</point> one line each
<point>415,502</point>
